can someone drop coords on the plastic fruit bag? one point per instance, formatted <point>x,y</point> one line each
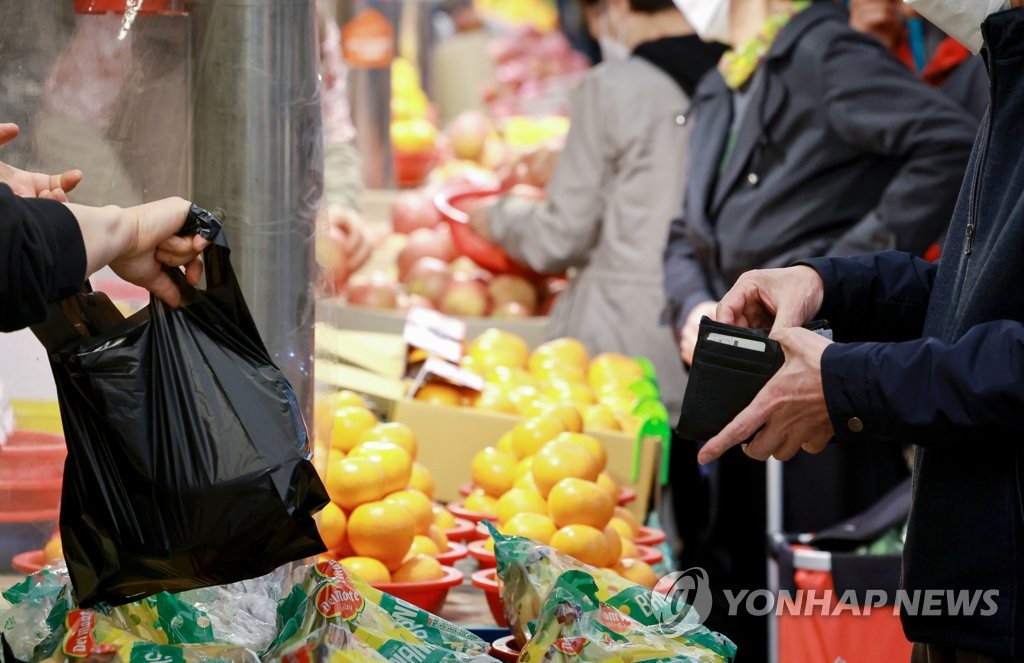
<point>188,463</point>
<point>574,625</point>
<point>528,571</point>
<point>24,623</point>
<point>329,644</point>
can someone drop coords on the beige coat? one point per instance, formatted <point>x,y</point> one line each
<point>617,186</point>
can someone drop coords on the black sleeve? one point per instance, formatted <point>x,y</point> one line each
<point>42,257</point>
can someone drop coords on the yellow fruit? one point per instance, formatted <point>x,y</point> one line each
<point>443,518</point>
<point>417,504</point>
<point>566,350</point>
<point>548,369</point>
<point>526,481</point>
<point>422,545</point>
<point>606,481</point>
<point>53,550</point>
<point>349,425</point>
<point>511,376</point>
<point>327,406</point>
<point>614,544</point>
<point>495,348</point>
<point>535,407</point>
<point>333,522</point>
<point>438,537</point>
<point>612,368</point>
<point>623,528</point>
<point>354,481</point>
<point>367,568</point>
<point>569,415</point>
<point>439,394</point>
<point>493,471</point>
<point>534,526</point>
<point>519,500</point>
<point>559,460</point>
<point>588,442</point>
<point>600,415</point>
<point>524,466</point>
<point>489,545</point>
<point>579,502</point>
<point>629,549</point>
<point>637,571</point>
<point>627,515</point>
<point>481,502</point>
<point>382,531</point>
<point>494,399</point>
<point>394,432</point>
<point>530,435</point>
<point>422,480</point>
<point>413,135</point>
<point>421,568</point>
<point>395,461</point>
<point>505,444</point>
<point>524,398</point>
<point>583,542</point>
<point>573,392</point>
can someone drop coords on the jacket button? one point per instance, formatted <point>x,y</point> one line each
<point>681,120</point>
<point>753,179</point>
<point>855,424</point>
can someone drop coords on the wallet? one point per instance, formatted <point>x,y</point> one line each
<point>730,365</point>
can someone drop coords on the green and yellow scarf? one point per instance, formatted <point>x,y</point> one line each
<point>738,65</point>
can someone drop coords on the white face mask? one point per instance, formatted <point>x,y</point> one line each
<point>614,48</point>
<point>709,18</point>
<point>960,19</point>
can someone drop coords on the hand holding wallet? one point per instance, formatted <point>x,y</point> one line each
<point>730,366</point>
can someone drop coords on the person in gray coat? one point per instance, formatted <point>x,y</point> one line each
<point>616,186</point>
<point>821,144</point>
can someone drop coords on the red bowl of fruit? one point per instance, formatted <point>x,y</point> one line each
<point>484,557</point>
<point>626,495</point>
<point>487,580</point>
<point>412,168</point>
<point>28,562</point>
<point>429,595</point>
<point>454,553</point>
<point>649,536</point>
<point>650,555</point>
<point>506,649</point>
<point>464,530</point>
<point>460,511</point>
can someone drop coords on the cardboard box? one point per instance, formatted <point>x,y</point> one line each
<point>449,437</point>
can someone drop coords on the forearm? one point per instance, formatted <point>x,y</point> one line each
<point>537,234</point>
<point>685,283</point>
<point>104,233</point>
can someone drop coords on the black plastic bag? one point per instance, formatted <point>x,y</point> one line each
<point>188,462</point>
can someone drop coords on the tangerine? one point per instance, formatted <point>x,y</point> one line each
<point>422,480</point>
<point>493,471</point>
<point>381,530</point>
<point>417,504</point>
<point>638,571</point>
<point>394,432</point>
<point>421,568</point>
<point>439,394</point>
<point>332,526</point>
<point>534,526</point>
<point>579,502</point>
<point>367,568</point>
<point>530,435</point>
<point>519,500</point>
<point>350,422</point>
<point>559,460</point>
<point>354,481</point>
<point>583,542</point>
<point>588,442</point>
<point>395,461</point>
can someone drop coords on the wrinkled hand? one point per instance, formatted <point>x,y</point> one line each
<point>775,298</point>
<point>691,329</point>
<point>35,185</point>
<point>882,19</point>
<point>789,414</point>
<point>536,168</point>
<point>358,247</point>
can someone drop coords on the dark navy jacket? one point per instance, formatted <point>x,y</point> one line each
<point>946,372</point>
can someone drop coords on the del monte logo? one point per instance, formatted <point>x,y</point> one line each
<point>614,620</point>
<point>341,600</point>
<point>570,646</point>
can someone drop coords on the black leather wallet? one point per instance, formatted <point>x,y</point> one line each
<point>730,365</point>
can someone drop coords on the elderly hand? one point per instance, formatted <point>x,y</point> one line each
<point>775,298</point>
<point>358,247</point>
<point>789,414</point>
<point>35,185</point>
<point>691,329</point>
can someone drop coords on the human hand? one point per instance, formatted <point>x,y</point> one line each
<point>358,247</point>
<point>34,185</point>
<point>691,328</point>
<point>480,221</point>
<point>789,413</point>
<point>536,168</point>
<point>775,298</point>
<point>882,19</point>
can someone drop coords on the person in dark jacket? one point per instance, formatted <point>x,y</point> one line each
<point>809,139</point>
<point>927,353</point>
<point>49,247</point>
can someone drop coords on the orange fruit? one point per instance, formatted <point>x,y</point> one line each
<point>533,407</point>
<point>349,425</point>
<point>629,549</point>
<point>438,537</point>
<point>325,408</point>
<point>394,432</point>
<point>332,526</point>
<point>569,415</point>
<point>493,471</point>
<point>637,571</point>
<point>614,544</point>
<point>422,545</point>
<point>54,549</point>
<point>583,542</point>
<point>381,530</point>
<point>421,568</point>
<point>523,397</point>
<point>622,527</point>
<point>534,526</point>
<point>354,481</point>
<point>511,376</point>
<point>495,347</point>
<point>613,368</point>
<point>422,480</point>
<point>439,394</point>
<point>559,460</point>
<point>630,518</point>
<point>530,435</point>
<point>519,500</point>
<point>395,461</point>
<point>505,444</point>
<point>526,481</point>
<point>588,442</point>
<point>573,392</point>
<point>443,518</point>
<point>606,481</point>
<point>367,568</point>
<point>417,504</point>
<point>494,399</point>
<point>548,369</point>
<point>343,550</point>
<point>525,466</point>
<point>579,502</point>
<point>600,415</point>
<point>481,502</point>
<point>566,350</point>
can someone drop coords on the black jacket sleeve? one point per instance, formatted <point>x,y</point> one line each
<point>42,257</point>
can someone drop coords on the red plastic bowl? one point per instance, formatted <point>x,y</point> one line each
<point>649,536</point>
<point>487,580</point>
<point>464,530</point>
<point>650,555</point>
<point>167,7</point>
<point>32,457</point>
<point>18,498</point>
<point>412,168</point>
<point>459,511</point>
<point>454,204</point>
<point>28,562</point>
<point>506,649</point>
<point>454,553</point>
<point>429,595</point>
<point>484,557</point>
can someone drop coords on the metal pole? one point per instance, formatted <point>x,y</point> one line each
<point>774,520</point>
<point>258,160</point>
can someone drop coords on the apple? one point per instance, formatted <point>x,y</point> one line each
<point>512,311</point>
<point>428,278</point>
<point>376,290</point>
<point>416,301</point>
<point>436,243</point>
<point>330,252</point>
<point>413,210</point>
<point>507,289</point>
<point>468,134</point>
<point>465,296</point>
